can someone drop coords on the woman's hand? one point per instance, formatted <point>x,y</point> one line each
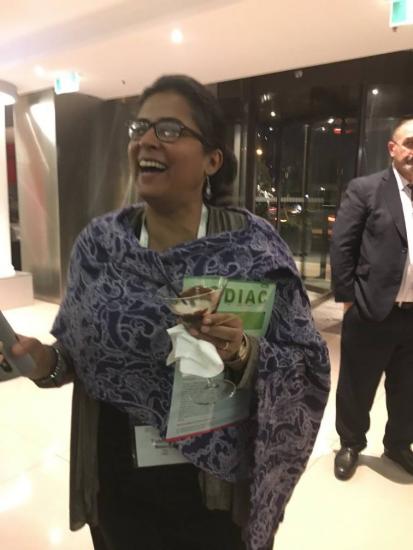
<point>43,356</point>
<point>224,330</point>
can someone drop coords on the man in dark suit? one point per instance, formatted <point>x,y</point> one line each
<point>372,272</point>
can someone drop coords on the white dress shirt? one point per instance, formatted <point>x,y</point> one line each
<point>405,293</point>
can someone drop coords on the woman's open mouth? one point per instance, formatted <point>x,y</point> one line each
<point>147,166</point>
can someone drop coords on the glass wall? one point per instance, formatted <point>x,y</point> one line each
<point>385,104</point>
<point>305,146</point>
<point>304,135</point>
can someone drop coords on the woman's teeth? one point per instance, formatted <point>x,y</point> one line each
<point>151,165</point>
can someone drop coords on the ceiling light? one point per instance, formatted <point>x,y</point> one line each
<point>176,36</point>
<point>375,91</point>
<point>331,120</point>
<point>267,97</point>
<point>8,93</point>
<point>259,152</point>
<point>39,71</point>
<point>273,114</point>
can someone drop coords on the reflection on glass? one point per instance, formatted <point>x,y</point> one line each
<point>383,109</point>
<point>308,150</point>
<point>43,114</point>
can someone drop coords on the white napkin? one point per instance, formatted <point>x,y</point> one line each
<point>196,357</point>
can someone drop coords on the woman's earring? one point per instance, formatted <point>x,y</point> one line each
<point>207,187</point>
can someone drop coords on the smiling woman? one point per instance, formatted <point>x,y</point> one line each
<point>226,486</point>
<point>185,102</point>
<point>174,171</point>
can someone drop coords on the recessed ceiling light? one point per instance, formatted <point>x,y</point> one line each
<point>273,114</point>
<point>375,91</point>
<point>267,97</point>
<point>39,71</point>
<point>176,36</point>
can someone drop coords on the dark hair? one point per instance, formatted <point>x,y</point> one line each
<point>209,118</point>
<point>399,123</point>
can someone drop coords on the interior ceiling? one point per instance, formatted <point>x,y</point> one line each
<point>120,46</point>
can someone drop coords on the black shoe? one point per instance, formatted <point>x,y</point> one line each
<point>345,463</point>
<point>404,457</point>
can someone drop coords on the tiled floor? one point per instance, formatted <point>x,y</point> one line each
<point>373,511</point>
<point>34,454</point>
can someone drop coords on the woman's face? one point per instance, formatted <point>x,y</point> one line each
<point>170,174</point>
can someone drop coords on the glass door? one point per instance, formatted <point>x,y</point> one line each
<point>300,169</point>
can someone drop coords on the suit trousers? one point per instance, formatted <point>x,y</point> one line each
<point>370,349</point>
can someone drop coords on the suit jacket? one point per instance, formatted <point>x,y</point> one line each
<point>369,245</point>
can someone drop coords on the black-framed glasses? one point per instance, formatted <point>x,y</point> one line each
<point>168,130</point>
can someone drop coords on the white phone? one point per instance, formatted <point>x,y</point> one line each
<point>14,366</point>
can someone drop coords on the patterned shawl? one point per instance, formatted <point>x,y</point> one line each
<point>114,326</point>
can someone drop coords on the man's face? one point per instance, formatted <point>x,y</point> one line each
<point>401,150</point>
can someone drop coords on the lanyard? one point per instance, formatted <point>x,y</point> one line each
<point>202,229</point>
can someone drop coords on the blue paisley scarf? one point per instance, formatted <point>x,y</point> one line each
<point>114,326</point>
